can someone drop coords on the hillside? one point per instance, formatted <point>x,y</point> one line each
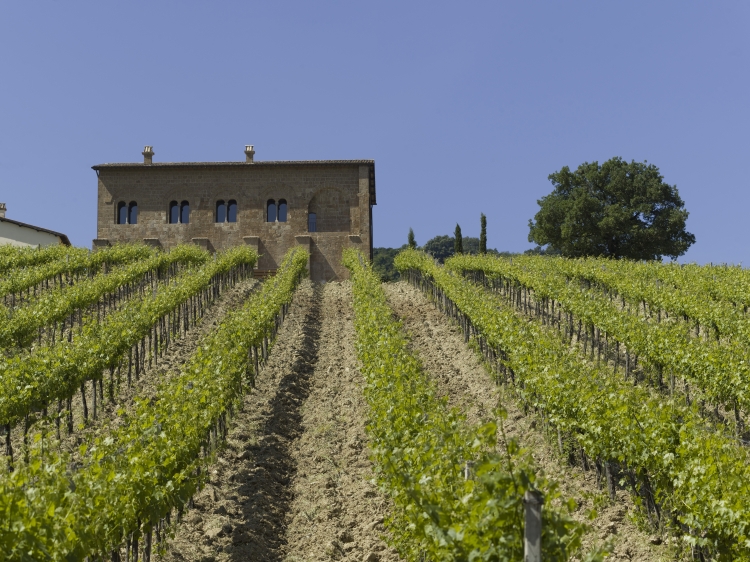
<point>169,403</point>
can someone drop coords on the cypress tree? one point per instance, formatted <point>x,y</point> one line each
<point>412,241</point>
<point>459,242</point>
<point>483,234</point>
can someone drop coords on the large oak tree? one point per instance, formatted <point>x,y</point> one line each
<point>618,209</point>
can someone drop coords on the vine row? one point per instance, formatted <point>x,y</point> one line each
<point>12,257</point>
<point>138,333</point>
<point>686,474</point>
<point>136,481</point>
<point>67,305</point>
<point>714,373</point>
<point>659,292</point>
<point>454,497</point>
<point>22,284</point>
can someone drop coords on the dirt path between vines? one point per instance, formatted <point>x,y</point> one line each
<point>467,385</point>
<point>293,482</point>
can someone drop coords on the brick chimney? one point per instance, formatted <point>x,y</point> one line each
<point>3,208</point>
<point>148,154</point>
<point>249,153</point>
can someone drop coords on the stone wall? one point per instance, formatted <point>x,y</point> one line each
<point>339,192</point>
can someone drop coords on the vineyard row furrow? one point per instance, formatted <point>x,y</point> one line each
<point>67,305</point>
<point>454,497</point>
<point>134,480</point>
<point>23,284</point>
<point>684,472</point>
<point>718,374</point>
<point>139,332</point>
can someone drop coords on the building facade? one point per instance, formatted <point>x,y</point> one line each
<point>16,233</point>
<point>322,205</point>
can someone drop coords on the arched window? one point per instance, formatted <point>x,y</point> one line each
<point>232,211</point>
<point>271,211</point>
<point>221,211</point>
<point>184,212</point>
<point>311,222</point>
<point>122,213</point>
<point>282,210</point>
<point>174,212</point>
<point>133,213</point>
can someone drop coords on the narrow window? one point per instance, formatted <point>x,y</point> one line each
<point>221,211</point>
<point>184,212</point>
<point>122,213</point>
<point>232,211</point>
<point>311,222</point>
<point>174,213</point>
<point>271,211</point>
<point>282,210</point>
<point>133,213</point>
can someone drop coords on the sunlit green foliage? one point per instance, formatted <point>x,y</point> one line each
<point>19,327</point>
<point>154,460</point>
<point>34,380</point>
<point>422,448</point>
<point>695,472</point>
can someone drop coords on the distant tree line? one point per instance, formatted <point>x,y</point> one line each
<point>440,247</point>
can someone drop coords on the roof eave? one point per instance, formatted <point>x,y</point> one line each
<point>260,163</point>
<point>63,238</point>
<point>233,164</point>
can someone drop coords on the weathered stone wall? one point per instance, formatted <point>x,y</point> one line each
<point>339,194</point>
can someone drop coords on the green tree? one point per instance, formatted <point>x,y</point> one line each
<point>440,247</point>
<point>459,243</point>
<point>382,263</point>
<point>483,234</point>
<point>412,241</point>
<point>618,209</point>
<point>469,245</point>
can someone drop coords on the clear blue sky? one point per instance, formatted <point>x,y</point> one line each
<point>466,107</point>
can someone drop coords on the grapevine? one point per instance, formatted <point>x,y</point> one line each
<point>32,381</point>
<point>137,478</point>
<point>718,373</point>
<point>12,257</point>
<point>677,466</point>
<point>77,263</point>
<point>422,449</point>
<point>662,291</point>
<point>21,326</point>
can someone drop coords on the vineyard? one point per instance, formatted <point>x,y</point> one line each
<point>167,405</point>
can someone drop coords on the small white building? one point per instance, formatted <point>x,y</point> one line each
<point>18,233</point>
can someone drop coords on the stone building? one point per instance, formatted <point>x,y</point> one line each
<point>323,205</point>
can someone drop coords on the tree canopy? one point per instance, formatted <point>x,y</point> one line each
<point>382,263</point>
<point>412,242</point>
<point>440,247</point>
<point>618,209</point>
<point>482,234</point>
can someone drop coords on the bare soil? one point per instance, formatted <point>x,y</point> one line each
<point>294,480</point>
<point>462,378</point>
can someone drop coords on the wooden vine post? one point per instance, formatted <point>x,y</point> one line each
<point>532,536</point>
